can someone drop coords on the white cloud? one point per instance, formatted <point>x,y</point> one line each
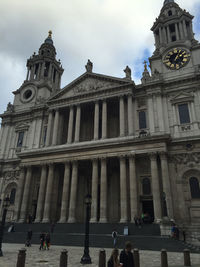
<point>112,33</point>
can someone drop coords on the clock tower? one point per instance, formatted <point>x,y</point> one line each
<point>177,53</point>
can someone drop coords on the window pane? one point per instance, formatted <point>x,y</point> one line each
<point>194,187</point>
<point>20,139</point>
<point>184,113</point>
<point>12,196</point>
<point>142,120</point>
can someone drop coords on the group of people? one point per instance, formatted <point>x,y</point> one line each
<point>125,259</point>
<point>144,218</point>
<point>45,241</point>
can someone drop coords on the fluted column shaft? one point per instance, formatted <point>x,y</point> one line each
<point>168,35</point>
<point>70,125</point>
<point>184,28</point>
<point>166,184</point>
<point>41,195</point>
<point>103,192</point>
<point>74,183</point>
<point>78,124</point>
<point>96,121</point>
<point>177,33</point>
<point>24,205</point>
<point>133,188</point>
<point>121,116</point>
<point>104,120</point>
<point>155,188</point>
<point>160,35</point>
<point>130,115</point>
<point>47,205</point>
<point>49,127</point>
<point>123,191</point>
<point>19,194</point>
<point>94,191</point>
<point>65,194</point>
<point>55,128</point>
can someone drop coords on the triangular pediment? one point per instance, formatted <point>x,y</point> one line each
<point>89,82</point>
<point>182,97</point>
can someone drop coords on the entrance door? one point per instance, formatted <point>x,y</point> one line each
<point>147,208</point>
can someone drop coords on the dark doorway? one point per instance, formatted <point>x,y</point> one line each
<point>147,208</point>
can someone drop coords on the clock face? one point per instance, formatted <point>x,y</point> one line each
<point>176,58</point>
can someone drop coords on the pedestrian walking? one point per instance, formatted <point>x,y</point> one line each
<point>42,240</point>
<point>114,259</point>
<point>47,241</point>
<point>114,236</point>
<point>28,238</point>
<point>126,256</point>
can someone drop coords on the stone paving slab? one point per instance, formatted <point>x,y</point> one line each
<point>37,258</point>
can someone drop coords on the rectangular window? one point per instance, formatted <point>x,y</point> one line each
<point>184,113</point>
<point>20,139</point>
<point>142,120</point>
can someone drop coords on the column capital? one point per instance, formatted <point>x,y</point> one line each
<point>163,155</point>
<point>122,156</point>
<point>95,159</point>
<point>131,155</point>
<point>50,163</point>
<point>67,161</point>
<point>44,163</point>
<point>153,155</point>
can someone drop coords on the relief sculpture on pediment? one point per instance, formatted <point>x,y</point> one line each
<point>91,85</point>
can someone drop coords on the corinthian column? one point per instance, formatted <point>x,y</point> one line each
<point>72,203</point>
<point>133,187</point>
<point>19,194</point>
<point>123,190</point>
<point>49,128</point>
<point>27,186</point>
<point>103,193</point>
<point>96,121</point>
<point>55,128</point>
<point>65,194</point>
<point>78,124</point>
<point>70,125</point>
<point>94,191</point>
<point>47,205</point>
<point>155,188</point>
<point>121,116</point>
<point>104,120</point>
<point>130,115</point>
<point>166,184</point>
<point>41,196</point>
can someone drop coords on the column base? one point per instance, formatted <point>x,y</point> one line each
<point>103,220</point>
<point>93,220</point>
<point>71,220</point>
<point>157,221</point>
<point>37,220</point>
<point>21,221</point>
<point>63,220</point>
<point>46,220</point>
<point>123,221</point>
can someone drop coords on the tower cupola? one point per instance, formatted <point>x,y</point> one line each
<point>44,67</point>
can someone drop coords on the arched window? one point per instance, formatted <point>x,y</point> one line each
<point>194,187</point>
<point>146,186</point>
<point>169,13</point>
<point>12,196</point>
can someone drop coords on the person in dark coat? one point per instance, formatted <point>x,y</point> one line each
<point>47,240</point>
<point>42,240</point>
<point>114,259</point>
<point>28,238</point>
<point>126,256</point>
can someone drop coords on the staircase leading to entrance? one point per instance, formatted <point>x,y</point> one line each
<point>145,238</point>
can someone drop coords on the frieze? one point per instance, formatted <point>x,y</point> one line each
<point>186,158</point>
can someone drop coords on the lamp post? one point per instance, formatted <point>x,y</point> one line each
<point>86,257</point>
<point>6,203</point>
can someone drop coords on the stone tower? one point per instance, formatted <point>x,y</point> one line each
<point>176,50</point>
<point>43,78</point>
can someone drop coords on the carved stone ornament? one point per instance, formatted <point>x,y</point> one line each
<point>11,175</point>
<point>10,107</point>
<point>186,158</point>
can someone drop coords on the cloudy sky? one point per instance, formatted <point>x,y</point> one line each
<point>111,33</point>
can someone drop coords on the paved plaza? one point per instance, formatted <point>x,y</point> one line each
<point>50,258</point>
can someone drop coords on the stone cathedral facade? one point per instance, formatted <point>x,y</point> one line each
<point>134,148</point>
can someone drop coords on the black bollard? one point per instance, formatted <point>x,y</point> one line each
<point>102,258</point>
<point>136,257</point>
<point>187,261</point>
<point>164,261</point>
<point>63,258</point>
<point>21,258</point>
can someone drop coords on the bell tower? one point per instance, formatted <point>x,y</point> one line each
<point>43,77</point>
<point>175,46</point>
